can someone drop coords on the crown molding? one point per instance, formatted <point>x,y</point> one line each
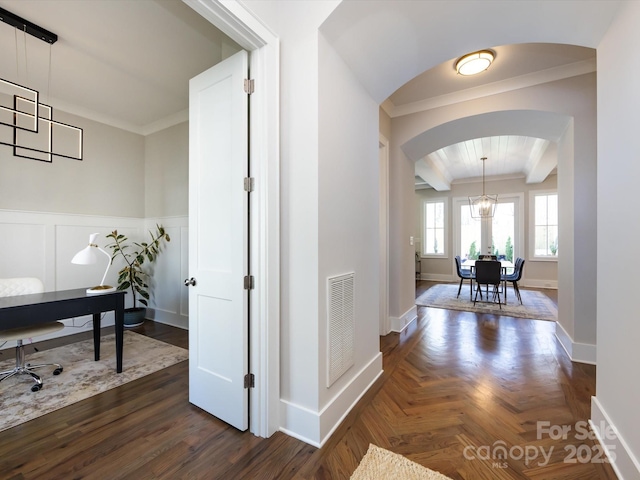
<point>507,85</point>
<point>144,130</point>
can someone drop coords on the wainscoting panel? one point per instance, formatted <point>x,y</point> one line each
<point>170,298</point>
<point>39,244</point>
<point>23,250</point>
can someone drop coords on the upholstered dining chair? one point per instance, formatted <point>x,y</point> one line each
<point>24,286</point>
<point>514,278</point>
<point>488,272</point>
<point>466,274</point>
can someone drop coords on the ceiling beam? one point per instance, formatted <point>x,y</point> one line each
<point>547,161</point>
<point>426,169</point>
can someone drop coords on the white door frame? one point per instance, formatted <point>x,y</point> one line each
<point>383,146</point>
<point>240,25</point>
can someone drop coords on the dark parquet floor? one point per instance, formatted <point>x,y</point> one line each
<point>456,386</point>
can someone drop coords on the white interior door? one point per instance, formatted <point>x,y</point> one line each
<point>218,241</point>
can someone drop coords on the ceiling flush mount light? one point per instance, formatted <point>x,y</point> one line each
<point>30,128</point>
<point>483,206</point>
<point>474,63</point>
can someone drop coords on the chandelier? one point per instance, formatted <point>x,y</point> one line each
<point>483,206</point>
<point>27,124</point>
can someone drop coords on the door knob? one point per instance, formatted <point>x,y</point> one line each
<point>189,281</point>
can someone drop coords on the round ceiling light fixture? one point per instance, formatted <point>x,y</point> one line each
<point>474,63</point>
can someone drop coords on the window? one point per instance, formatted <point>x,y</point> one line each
<point>500,235</point>
<point>435,237</point>
<point>545,225</point>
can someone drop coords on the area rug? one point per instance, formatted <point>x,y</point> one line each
<point>535,304</point>
<point>381,464</point>
<point>82,376</point>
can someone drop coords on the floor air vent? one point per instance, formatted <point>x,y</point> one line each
<point>341,312</point>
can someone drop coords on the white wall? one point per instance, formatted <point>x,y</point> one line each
<point>166,171</point>
<point>618,389</point>
<point>348,225</point>
<point>42,245</point>
<point>321,104</point>
<point>106,182</point>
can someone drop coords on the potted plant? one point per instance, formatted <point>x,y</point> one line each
<point>132,277</point>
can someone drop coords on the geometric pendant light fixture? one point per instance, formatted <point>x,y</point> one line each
<point>483,206</point>
<point>26,124</point>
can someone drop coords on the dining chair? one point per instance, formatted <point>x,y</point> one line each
<point>488,273</point>
<point>514,278</point>
<point>23,286</point>
<point>464,274</point>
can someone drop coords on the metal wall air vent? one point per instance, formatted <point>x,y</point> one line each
<point>341,326</point>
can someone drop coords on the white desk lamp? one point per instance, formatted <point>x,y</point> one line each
<point>87,256</point>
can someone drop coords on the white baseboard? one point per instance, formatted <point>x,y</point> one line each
<point>168,318</point>
<point>436,277</point>
<point>315,428</point>
<point>531,283</point>
<point>398,324</point>
<point>578,352</point>
<point>622,459</point>
<point>538,283</point>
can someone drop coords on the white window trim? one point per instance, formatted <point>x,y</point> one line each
<point>519,247</point>
<point>532,226</point>
<point>445,253</point>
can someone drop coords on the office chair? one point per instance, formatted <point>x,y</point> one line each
<point>24,286</point>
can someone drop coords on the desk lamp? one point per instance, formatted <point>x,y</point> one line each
<point>87,256</point>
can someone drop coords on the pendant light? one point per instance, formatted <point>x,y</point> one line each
<point>26,124</point>
<point>483,206</point>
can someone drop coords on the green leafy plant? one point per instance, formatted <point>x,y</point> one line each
<point>473,251</point>
<point>509,249</point>
<point>134,254</point>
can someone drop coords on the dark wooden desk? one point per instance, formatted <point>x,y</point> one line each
<point>24,310</point>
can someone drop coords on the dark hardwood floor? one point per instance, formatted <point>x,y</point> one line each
<point>455,387</point>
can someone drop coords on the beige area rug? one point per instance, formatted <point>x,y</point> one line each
<point>82,376</point>
<point>381,464</point>
<point>535,304</point>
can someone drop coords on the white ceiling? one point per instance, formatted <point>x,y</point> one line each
<point>126,63</point>
<point>508,156</point>
<point>403,53</point>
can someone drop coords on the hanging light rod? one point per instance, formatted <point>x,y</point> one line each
<point>28,27</point>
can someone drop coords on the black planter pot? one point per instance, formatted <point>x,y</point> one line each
<point>134,317</point>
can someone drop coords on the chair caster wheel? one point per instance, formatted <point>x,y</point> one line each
<point>36,387</point>
<point>57,371</point>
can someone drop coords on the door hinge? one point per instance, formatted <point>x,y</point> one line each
<point>249,184</point>
<point>248,282</point>
<point>249,86</point>
<point>249,380</point>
